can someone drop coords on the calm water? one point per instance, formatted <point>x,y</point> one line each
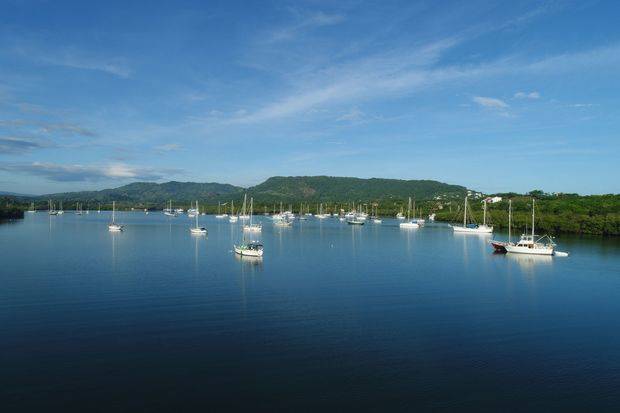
<point>334,317</point>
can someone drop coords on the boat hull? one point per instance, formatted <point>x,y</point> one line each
<point>479,230</point>
<point>409,225</point>
<point>527,250</point>
<point>247,252</point>
<point>198,231</point>
<point>115,228</point>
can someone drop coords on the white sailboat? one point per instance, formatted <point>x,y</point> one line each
<point>321,215</point>
<point>113,226</point>
<point>219,212</point>
<point>50,209</point>
<point>233,218</point>
<point>473,228</point>
<point>409,223</point>
<point>244,213</point>
<point>248,248</point>
<point>252,227</point>
<point>529,244</point>
<point>376,218</point>
<point>169,211</point>
<point>60,211</point>
<point>32,209</point>
<point>196,230</point>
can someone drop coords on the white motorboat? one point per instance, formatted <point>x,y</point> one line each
<point>530,244</point>
<point>473,228</point>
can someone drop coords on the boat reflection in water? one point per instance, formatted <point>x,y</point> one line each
<point>529,262</point>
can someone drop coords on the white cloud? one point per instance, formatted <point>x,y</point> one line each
<point>527,95</point>
<point>488,102</point>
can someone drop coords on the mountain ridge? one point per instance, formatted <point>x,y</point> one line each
<point>320,188</point>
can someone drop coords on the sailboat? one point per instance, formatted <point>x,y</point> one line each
<point>113,226</point>
<point>78,209</point>
<point>252,227</point>
<point>529,244</point>
<point>32,209</point>
<point>244,213</point>
<point>410,222</point>
<point>99,210</point>
<point>248,248</point>
<point>376,218</point>
<point>219,212</point>
<point>321,215</point>
<point>233,218</point>
<point>60,211</point>
<point>50,208</point>
<point>500,246</point>
<point>196,230</point>
<point>473,228</point>
<point>400,215</point>
<point>302,217</point>
<point>192,212</point>
<point>169,211</point>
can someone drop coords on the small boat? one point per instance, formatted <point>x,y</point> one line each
<point>196,230</point>
<point>252,227</point>
<point>51,210</point>
<point>32,209</point>
<point>473,228</point>
<point>249,249</point>
<point>356,221</point>
<point>375,215</point>
<point>60,211</point>
<point>219,214</point>
<point>113,226</point>
<point>244,213</point>
<point>169,211</point>
<point>410,223</point>
<point>529,244</point>
<point>431,217</point>
<point>233,218</point>
<point>78,209</point>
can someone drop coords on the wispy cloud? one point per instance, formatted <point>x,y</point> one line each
<point>81,173</point>
<point>306,22</point>
<point>488,102</point>
<point>168,147</point>
<point>354,114</point>
<point>20,145</point>
<point>527,95</point>
<point>73,58</point>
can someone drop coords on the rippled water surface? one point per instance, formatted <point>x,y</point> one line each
<point>334,317</point>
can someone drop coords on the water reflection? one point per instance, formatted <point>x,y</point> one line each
<point>528,262</point>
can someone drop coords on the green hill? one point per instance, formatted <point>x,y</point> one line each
<point>151,193</point>
<point>343,189</point>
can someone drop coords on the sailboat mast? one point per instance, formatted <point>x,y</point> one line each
<point>509,219</point>
<point>484,214</point>
<point>113,210</point>
<point>465,213</point>
<point>196,214</point>
<point>533,218</point>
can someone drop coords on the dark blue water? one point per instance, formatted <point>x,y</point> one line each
<point>334,317</point>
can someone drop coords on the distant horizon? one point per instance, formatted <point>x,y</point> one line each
<point>494,96</point>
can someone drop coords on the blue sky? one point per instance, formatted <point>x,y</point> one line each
<point>496,96</point>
